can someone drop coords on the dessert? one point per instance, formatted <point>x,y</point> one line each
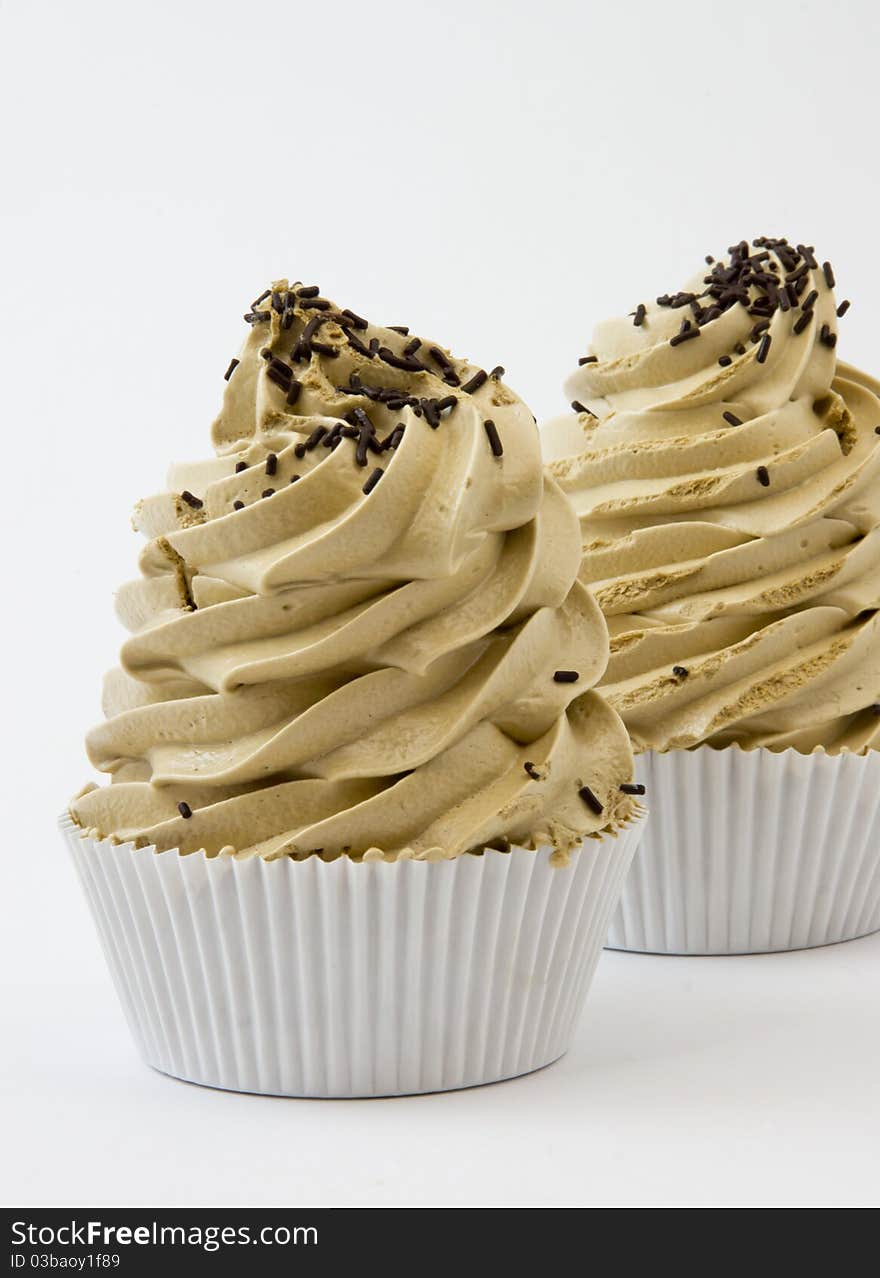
<point>725,468</point>
<point>367,817</point>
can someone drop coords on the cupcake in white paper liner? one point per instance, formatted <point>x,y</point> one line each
<point>725,468</point>
<point>316,978</point>
<point>360,668</point>
<point>749,851</point>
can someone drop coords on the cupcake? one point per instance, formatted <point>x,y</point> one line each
<point>367,817</point>
<point>725,469</point>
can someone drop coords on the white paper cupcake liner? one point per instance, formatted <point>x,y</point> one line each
<point>351,979</point>
<point>750,851</point>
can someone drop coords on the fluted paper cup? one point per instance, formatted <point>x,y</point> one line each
<point>314,978</point>
<point>750,851</point>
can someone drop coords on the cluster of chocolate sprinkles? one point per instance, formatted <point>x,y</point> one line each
<point>753,280</point>
<point>415,358</point>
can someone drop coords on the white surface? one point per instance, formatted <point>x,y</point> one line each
<point>499,176</point>
<point>732,1081</point>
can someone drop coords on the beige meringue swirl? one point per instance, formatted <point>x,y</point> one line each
<point>725,469</point>
<point>346,631</point>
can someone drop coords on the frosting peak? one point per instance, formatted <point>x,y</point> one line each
<point>725,469</point>
<point>346,629</point>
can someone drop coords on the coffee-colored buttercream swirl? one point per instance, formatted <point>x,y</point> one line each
<point>725,469</point>
<point>346,631</point>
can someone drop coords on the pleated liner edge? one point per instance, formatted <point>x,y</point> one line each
<point>343,979</point>
<point>751,852</point>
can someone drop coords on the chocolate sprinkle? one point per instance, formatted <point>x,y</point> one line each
<point>532,770</point>
<point>732,419</point>
<point>497,371</point>
<point>281,379</point>
<point>271,464</point>
<point>184,809</point>
<point>828,273</point>
<point>238,505</point>
<point>438,355</point>
<point>565,676</point>
<point>590,799</point>
<point>373,480</point>
<point>240,466</point>
<point>680,672</point>
<point>725,361</point>
<point>312,442</point>
<point>827,338</point>
<point>356,319</point>
<point>639,315</point>
<point>268,492</point>
<point>588,359</point>
<point>632,787</point>
<point>475,382</point>
<point>843,308</point>
<point>802,322</point>
<point>684,335</point>
<point>764,348</point>
<point>763,476</point>
<point>190,500</point>
<point>494,441</point>
<point>579,407</point>
<point>233,365</point>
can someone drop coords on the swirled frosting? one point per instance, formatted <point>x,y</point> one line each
<point>724,468</point>
<point>358,628</point>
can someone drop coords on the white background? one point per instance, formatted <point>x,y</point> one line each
<point>498,176</point>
